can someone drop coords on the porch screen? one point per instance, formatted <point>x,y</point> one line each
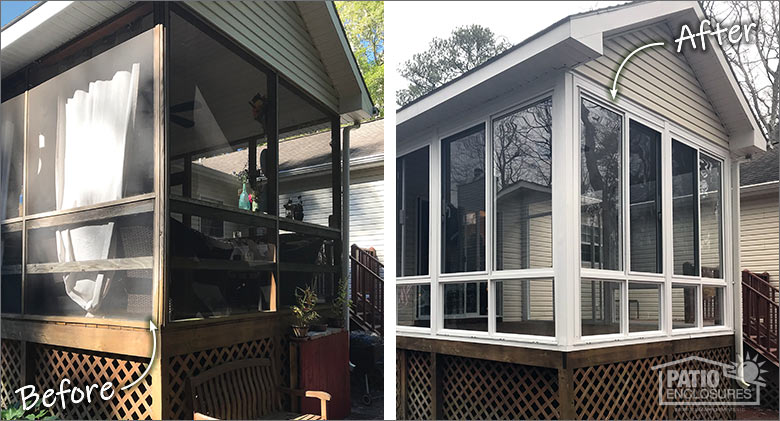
<point>90,142</point>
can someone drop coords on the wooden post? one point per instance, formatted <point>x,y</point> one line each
<point>566,394</point>
<point>402,380</point>
<point>437,376</point>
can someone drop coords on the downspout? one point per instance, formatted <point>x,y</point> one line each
<point>736,270</point>
<point>346,246</point>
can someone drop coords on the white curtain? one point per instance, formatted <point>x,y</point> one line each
<point>92,130</point>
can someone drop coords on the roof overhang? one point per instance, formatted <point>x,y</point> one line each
<point>52,24</point>
<point>580,38</point>
<point>329,36</point>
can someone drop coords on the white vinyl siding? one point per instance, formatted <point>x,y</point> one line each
<point>759,236</point>
<point>275,32</point>
<point>366,208</point>
<point>657,78</point>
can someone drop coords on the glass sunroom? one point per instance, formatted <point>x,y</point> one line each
<point>548,234</point>
<point>110,218</point>
<point>649,248</point>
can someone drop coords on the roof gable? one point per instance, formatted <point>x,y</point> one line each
<point>581,38</point>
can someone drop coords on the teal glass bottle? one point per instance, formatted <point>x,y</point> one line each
<point>243,200</point>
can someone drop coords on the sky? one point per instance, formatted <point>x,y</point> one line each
<point>409,26</point>
<point>11,9</point>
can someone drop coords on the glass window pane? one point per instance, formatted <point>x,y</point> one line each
<point>712,305</point>
<point>525,306</point>
<point>644,307</point>
<point>683,306</point>
<point>414,305</point>
<point>305,178</point>
<point>522,155</point>
<point>684,210</point>
<point>412,209</point>
<point>711,205</point>
<point>71,268</point>
<point>465,306</point>
<point>645,198</point>
<point>600,307</point>
<point>223,267</point>
<point>296,252</point>
<point>217,123</point>
<point>90,136</point>
<point>601,200</point>
<point>11,156</point>
<point>463,201</point>
<point>11,268</point>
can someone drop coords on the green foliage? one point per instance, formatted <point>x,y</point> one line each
<point>340,301</point>
<point>447,58</point>
<point>16,412</point>
<point>303,311</point>
<point>364,22</point>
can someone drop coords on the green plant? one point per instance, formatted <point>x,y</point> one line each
<point>340,301</point>
<point>16,412</point>
<point>304,311</point>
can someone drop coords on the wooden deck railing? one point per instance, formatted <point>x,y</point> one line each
<point>760,310</point>
<point>367,290</point>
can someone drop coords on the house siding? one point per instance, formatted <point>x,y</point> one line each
<point>275,32</point>
<point>759,236</point>
<point>366,208</point>
<point>659,79</point>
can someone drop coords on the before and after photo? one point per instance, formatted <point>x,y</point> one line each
<point>536,210</point>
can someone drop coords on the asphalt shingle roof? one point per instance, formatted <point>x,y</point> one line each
<point>308,151</point>
<point>762,168</point>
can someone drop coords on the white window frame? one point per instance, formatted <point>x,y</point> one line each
<point>669,130</point>
<point>565,89</point>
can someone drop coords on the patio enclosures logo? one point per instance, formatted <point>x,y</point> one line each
<point>698,381</point>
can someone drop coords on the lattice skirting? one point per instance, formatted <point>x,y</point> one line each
<point>481,389</point>
<point>83,368</point>
<point>182,367</point>
<point>10,371</point>
<point>476,389</point>
<point>624,390</point>
<point>472,388</point>
<point>417,402</point>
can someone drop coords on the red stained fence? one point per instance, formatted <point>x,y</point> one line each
<point>368,287</point>
<point>760,311</point>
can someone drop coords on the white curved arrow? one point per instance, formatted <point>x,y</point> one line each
<point>613,91</point>
<point>153,329</point>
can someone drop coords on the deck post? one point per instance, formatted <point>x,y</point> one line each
<point>566,394</point>
<point>437,374</point>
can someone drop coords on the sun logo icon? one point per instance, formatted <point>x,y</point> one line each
<point>751,370</point>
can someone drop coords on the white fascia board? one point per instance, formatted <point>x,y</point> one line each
<point>741,143</point>
<point>590,45</point>
<point>362,105</point>
<point>28,23</point>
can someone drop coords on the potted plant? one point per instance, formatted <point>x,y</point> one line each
<point>341,304</point>
<point>303,311</point>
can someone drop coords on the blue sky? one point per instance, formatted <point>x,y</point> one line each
<point>11,9</point>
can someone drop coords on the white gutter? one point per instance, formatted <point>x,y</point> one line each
<point>345,246</point>
<point>736,272</point>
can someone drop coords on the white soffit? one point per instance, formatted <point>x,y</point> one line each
<point>50,25</point>
<point>583,34</point>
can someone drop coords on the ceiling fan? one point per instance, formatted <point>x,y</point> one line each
<point>180,108</point>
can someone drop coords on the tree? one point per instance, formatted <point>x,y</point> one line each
<point>364,22</point>
<point>447,58</point>
<point>755,64</point>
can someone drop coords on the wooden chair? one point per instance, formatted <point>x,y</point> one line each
<point>246,389</point>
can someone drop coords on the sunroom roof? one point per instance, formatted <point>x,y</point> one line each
<point>577,39</point>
